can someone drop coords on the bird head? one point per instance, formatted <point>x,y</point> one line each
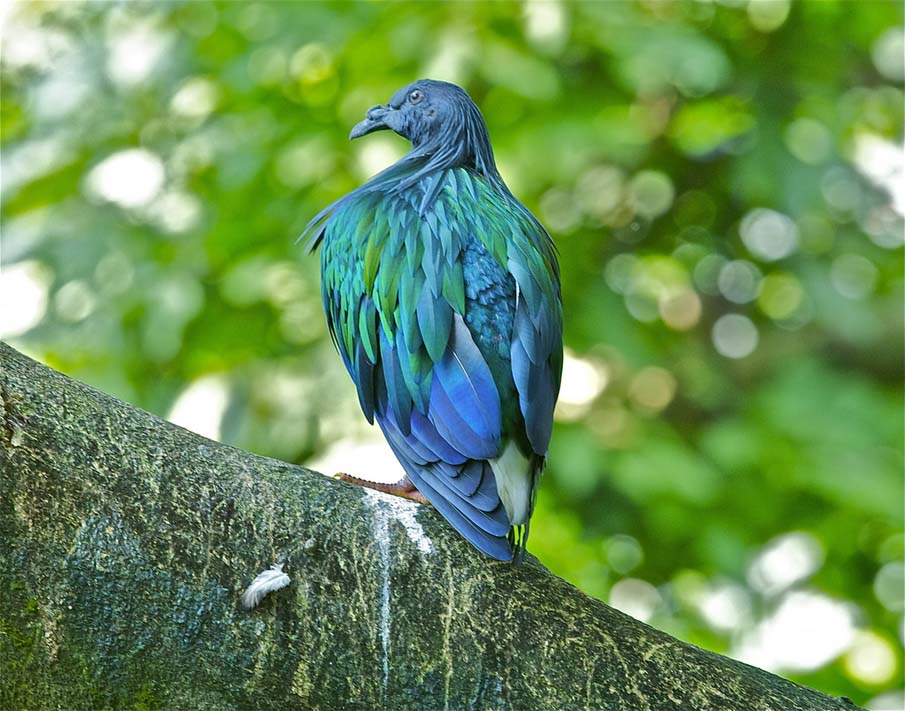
<point>439,119</point>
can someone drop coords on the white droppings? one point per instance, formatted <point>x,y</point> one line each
<point>402,511</point>
<point>384,507</point>
<point>381,529</point>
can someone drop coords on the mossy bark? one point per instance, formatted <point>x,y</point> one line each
<point>125,543</point>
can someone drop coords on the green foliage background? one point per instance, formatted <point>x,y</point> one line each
<point>693,160</point>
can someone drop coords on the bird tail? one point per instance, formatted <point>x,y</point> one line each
<point>518,535</point>
<point>518,539</point>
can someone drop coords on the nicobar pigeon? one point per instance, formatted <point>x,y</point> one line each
<point>442,295</point>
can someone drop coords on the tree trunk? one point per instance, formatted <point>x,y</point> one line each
<point>126,541</point>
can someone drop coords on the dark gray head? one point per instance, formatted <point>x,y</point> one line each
<point>440,120</point>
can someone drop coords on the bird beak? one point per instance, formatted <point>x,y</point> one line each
<point>375,120</point>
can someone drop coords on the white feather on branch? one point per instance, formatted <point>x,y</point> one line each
<point>265,583</point>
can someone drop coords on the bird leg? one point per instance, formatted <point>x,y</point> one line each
<point>404,487</point>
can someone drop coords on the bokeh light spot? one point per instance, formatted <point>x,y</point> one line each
<point>74,301</point>
<point>884,227</point>
<point>882,161</point>
<point>889,585</point>
<point>546,24</point>
<point>887,701</point>
<point>888,53</point>
<point>560,211</point>
<point>635,597</point>
<point>784,561</point>
<point>853,276</point>
<point>619,272</point>
<point>706,273</point>
<point>808,140</point>
<point>734,336</point>
<point>768,15</point>
<point>739,281</point>
<point>24,289</point>
<point>871,659</point>
<point>201,405</point>
<point>257,21</point>
<point>135,48</point>
<point>196,98</point>
<point>176,211</point>
<point>312,63</point>
<point>724,605</point>
<point>130,178</point>
<point>600,190</point>
<point>653,388</point>
<point>780,296</point>
<point>623,553</point>
<point>769,235</point>
<point>841,190</point>
<point>651,193</point>
<point>583,380</point>
<point>806,631</point>
<point>681,311</point>
<point>641,306</point>
<point>114,274</point>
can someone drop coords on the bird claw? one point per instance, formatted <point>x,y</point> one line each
<point>403,488</point>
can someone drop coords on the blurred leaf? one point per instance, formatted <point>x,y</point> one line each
<point>702,127</point>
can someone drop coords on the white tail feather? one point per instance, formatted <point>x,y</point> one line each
<point>512,471</point>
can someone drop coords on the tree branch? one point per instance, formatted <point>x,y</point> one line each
<point>126,541</point>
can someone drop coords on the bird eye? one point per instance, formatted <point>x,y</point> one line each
<point>415,96</point>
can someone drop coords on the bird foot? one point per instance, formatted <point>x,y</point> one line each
<point>404,487</point>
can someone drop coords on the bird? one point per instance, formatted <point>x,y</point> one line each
<point>442,295</point>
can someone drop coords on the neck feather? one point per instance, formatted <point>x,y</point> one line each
<point>462,142</point>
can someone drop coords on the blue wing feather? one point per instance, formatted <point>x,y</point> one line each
<point>465,378</point>
<point>476,482</point>
<point>536,349</point>
<point>427,434</point>
<point>450,425</point>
